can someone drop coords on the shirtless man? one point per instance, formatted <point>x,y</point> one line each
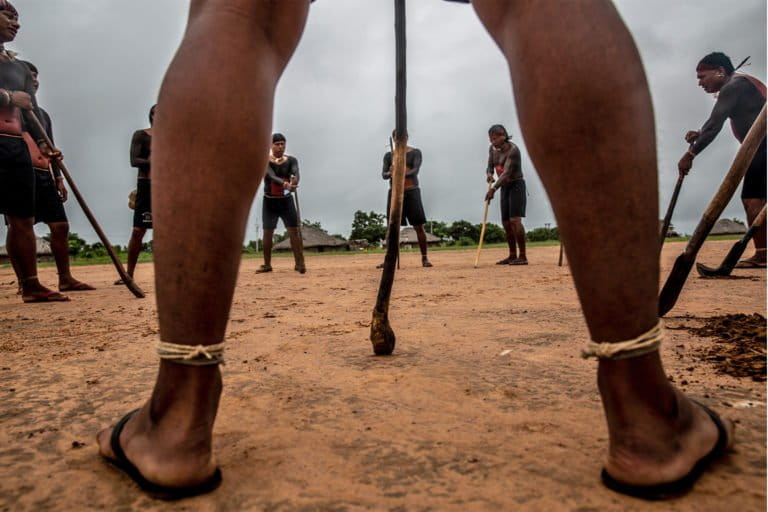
<point>141,151</point>
<point>50,195</point>
<point>413,209</point>
<point>282,178</point>
<point>739,98</point>
<point>17,179</point>
<point>504,160</point>
<point>659,440</point>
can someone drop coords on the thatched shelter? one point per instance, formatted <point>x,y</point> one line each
<point>315,240</point>
<point>728,227</point>
<point>44,252</point>
<point>408,238</point>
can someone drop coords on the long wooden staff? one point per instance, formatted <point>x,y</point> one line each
<point>482,229</point>
<point>670,209</point>
<point>732,258</point>
<point>129,283</point>
<point>683,264</point>
<point>382,336</point>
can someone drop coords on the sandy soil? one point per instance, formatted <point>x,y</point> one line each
<point>486,404</point>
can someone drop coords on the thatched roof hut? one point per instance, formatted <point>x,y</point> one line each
<point>315,240</point>
<point>44,252</point>
<point>728,227</point>
<point>408,238</point>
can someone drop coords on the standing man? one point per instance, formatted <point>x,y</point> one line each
<point>504,160</point>
<point>282,178</point>
<point>413,209</point>
<point>17,179</point>
<point>141,152</point>
<point>739,98</point>
<point>659,440</point>
<point>50,194</point>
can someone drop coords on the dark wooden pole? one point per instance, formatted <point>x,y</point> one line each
<point>129,283</point>
<point>382,336</point>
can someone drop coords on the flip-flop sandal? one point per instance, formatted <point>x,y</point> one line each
<point>49,296</point>
<point>426,263</point>
<point>264,268</point>
<point>681,485</point>
<point>518,262</point>
<point>78,287</point>
<point>749,264</point>
<point>505,261</point>
<point>157,491</point>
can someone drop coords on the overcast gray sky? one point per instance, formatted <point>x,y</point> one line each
<point>101,64</point>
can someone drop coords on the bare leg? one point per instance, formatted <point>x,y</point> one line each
<point>243,46</point>
<point>421,236</point>
<point>509,234</point>
<point>518,231</point>
<point>298,250</point>
<point>22,250</point>
<point>134,249</point>
<point>752,208</point>
<point>267,246</point>
<point>60,249</point>
<point>578,142</point>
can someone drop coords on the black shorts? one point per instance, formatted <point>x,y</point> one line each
<point>754,180</point>
<point>17,179</point>
<point>275,208</point>
<point>513,199</point>
<point>48,205</point>
<point>142,211</point>
<point>413,209</point>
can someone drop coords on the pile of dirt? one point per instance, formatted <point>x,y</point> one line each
<point>739,348</point>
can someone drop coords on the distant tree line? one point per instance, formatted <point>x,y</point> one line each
<point>372,226</point>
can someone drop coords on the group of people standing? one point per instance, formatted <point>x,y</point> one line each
<point>660,440</point>
<point>504,163</point>
<point>32,188</point>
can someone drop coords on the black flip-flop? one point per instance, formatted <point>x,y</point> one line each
<point>157,491</point>
<point>682,485</point>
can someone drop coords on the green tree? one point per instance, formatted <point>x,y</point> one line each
<point>310,224</point>
<point>542,234</point>
<point>494,233</point>
<point>437,228</point>
<point>464,229</point>
<point>369,226</point>
<point>76,244</point>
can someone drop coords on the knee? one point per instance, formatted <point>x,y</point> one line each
<point>59,229</point>
<point>138,233</point>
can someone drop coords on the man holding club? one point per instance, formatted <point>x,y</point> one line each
<point>281,180</point>
<point>740,98</point>
<point>660,441</point>
<point>50,194</point>
<point>17,178</point>
<point>504,161</point>
<point>413,208</point>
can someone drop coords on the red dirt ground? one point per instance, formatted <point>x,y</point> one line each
<point>485,405</point>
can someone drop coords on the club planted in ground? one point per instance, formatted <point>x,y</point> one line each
<point>732,258</point>
<point>482,229</point>
<point>382,336</point>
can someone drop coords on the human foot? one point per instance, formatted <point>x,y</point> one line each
<point>73,285</point>
<point>166,445</point>
<point>264,268</point>
<point>519,261</point>
<point>425,262</point>
<point>658,458</point>
<point>505,261</point>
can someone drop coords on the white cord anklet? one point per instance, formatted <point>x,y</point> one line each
<point>644,344</point>
<point>193,355</point>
